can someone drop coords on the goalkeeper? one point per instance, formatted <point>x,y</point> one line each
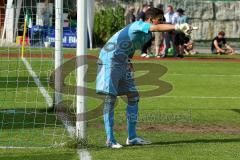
<point>115,76</point>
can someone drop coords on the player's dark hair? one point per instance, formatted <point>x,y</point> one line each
<point>221,33</point>
<point>153,13</point>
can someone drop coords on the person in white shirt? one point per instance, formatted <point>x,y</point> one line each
<point>171,18</point>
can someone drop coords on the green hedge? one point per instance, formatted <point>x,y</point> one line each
<point>107,21</point>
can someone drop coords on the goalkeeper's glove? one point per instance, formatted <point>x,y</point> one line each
<point>185,28</point>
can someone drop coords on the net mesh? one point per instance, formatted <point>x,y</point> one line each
<point>27,118</point>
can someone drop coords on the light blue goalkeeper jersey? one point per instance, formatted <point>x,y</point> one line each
<point>123,44</point>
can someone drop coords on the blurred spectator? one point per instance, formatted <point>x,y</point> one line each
<point>180,39</point>
<point>72,16</point>
<point>220,46</point>
<point>130,17</point>
<point>141,17</point>
<point>160,6</point>
<point>45,14</point>
<point>181,17</point>
<point>159,36</point>
<point>170,17</point>
<point>188,48</point>
<point>184,44</point>
<point>45,20</point>
<point>150,4</point>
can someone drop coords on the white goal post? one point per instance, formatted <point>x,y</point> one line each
<point>83,6</point>
<point>81,52</point>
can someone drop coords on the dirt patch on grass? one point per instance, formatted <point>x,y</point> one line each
<point>71,55</point>
<point>180,128</point>
<point>191,128</point>
<point>208,59</point>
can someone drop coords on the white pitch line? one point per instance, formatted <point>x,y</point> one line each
<point>83,153</point>
<point>67,124</point>
<point>45,94</point>
<point>47,97</point>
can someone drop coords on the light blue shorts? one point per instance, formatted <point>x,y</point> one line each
<point>115,80</point>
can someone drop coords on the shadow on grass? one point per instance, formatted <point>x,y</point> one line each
<point>170,143</point>
<point>30,118</point>
<point>21,82</point>
<point>40,156</point>
<point>194,141</point>
<point>236,110</point>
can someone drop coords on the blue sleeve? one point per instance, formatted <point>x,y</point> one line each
<point>141,26</point>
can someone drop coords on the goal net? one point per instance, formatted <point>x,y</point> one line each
<point>28,114</point>
<point>37,37</point>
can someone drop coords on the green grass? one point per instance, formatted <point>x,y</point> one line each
<point>175,146</point>
<point>38,154</point>
<point>204,100</point>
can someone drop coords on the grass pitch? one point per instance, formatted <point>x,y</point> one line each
<point>198,119</point>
